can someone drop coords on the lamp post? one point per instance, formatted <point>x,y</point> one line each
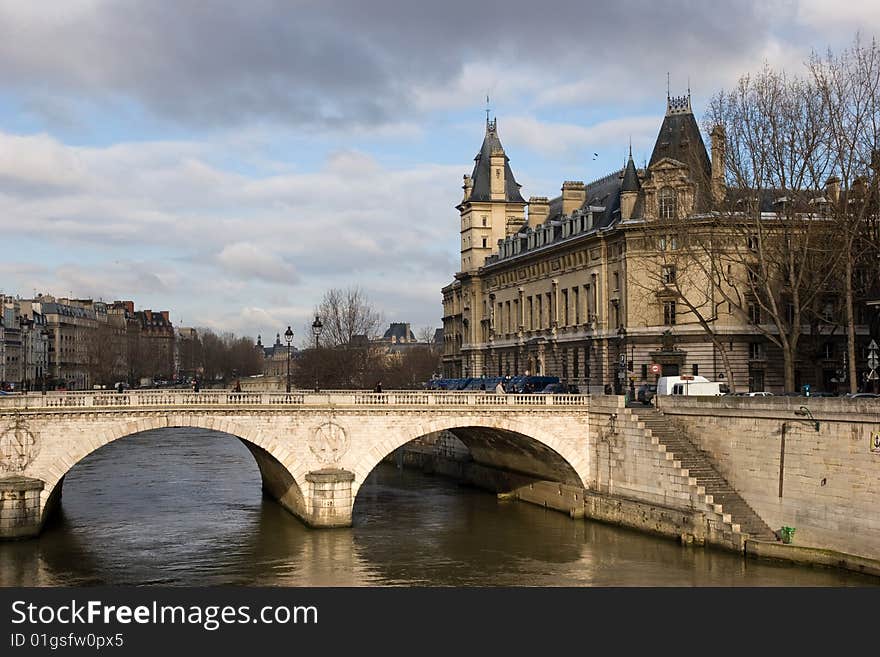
<point>316,331</point>
<point>44,334</point>
<point>288,338</point>
<point>621,359</point>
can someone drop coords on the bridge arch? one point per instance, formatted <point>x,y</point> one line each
<point>275,465</point>
<point>513,444</point>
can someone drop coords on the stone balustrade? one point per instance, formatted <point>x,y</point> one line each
<point>106,400</point>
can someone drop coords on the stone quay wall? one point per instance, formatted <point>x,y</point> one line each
<point>823,483</point>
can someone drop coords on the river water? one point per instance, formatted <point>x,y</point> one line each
<point>185,507</point>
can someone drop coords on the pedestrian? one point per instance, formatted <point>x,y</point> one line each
<point>483,386</point>
<point>499,389</point>
<point>195,385</point>
<point>237,387</point>
<point>608,390</point>
<point>378,387</point>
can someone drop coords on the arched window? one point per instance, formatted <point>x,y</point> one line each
<point>667,202</point>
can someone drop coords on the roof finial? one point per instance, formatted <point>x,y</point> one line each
<point>630,147</point>
<point>667,85</point>
<point>487,110</point>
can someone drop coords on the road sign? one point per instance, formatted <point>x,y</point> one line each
<point>873,361</point>
<point>873,346</point>
<point>655,368</point>
<point>875,442</point>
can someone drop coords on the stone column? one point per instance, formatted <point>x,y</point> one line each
<point>19,507</point>
<point>330,495</point>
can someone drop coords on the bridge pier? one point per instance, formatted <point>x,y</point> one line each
<point>330,495</point>
<point>20,507</point>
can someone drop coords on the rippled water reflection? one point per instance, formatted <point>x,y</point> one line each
<point>184,507</point>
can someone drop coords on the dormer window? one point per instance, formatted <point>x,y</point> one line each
<point>667,203</point>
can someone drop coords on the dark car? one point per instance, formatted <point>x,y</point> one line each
<point>646,392</point>
<point>557,389</point>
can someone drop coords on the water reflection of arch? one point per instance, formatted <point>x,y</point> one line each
<point>410,528</point>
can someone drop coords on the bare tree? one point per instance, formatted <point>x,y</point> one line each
<point>774,253</point>
<point>346,313</point>
<point>849,88</point>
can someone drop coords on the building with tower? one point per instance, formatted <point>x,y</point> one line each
<point>569,286</point>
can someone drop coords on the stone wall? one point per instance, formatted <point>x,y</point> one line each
<point>19,507</point>
<point>823,483</point>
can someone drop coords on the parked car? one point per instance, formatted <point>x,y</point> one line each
<point>863,395</point>
<point>759,394</point>
<point>646,393</point>
<point>553,389</point>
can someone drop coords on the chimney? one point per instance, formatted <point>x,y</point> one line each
<point>573,196</point>
<point>497,184</point>
<point>719,138</point>
<point>832,190</point>
<point>165,316</point>
<point>539,210</point>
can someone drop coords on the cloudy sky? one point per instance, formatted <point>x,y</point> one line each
<point>230,161</point>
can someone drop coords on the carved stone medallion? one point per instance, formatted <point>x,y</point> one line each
<point>18,447</point>
<point>329,442</point>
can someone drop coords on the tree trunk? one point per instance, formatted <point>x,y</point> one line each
<point>789,357</point>
<point>850,323</point>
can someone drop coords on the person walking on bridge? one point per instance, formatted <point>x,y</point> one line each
<point>499,389</point>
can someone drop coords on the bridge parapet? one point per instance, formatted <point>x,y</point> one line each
<point>108,400</point>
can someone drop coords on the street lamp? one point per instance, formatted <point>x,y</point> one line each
<point>288,337</point>
<point>44,334</point>
<point>621,358</point>
<point>316,331</point>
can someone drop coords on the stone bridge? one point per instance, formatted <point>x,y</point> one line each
<point>315,449</point>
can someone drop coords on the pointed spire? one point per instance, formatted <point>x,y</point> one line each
<point>630,176</point>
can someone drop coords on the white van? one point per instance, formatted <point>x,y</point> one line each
<point>690,385</point>
<point>698,388</point>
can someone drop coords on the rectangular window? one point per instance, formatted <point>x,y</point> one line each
<point>485,243</point>
<point>789,313</point>
<point>756,351</point>
<point>565,306</point>
<point>644,370</point>
<point>540,313</point>
<point>549,309</point>
<point>616,281</point>
<point>754,311</point>
<point>695,369</point>
<point>669,313</point>
<point>576,362</point>
<point>668,274</point>
<point>752,243</point>
<point>828,350</point>
<point>577,305</point>
<point>531,315</point>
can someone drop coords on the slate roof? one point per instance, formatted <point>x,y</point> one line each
<point>482,174</point>
<point>680,139</point>
<point>630,177</point>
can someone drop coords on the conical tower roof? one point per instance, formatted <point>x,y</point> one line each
<point>482,174</point>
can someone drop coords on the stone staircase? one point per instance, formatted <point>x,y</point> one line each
<point>700,467</point>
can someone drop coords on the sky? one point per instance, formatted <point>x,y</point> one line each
<point>231,161</point>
